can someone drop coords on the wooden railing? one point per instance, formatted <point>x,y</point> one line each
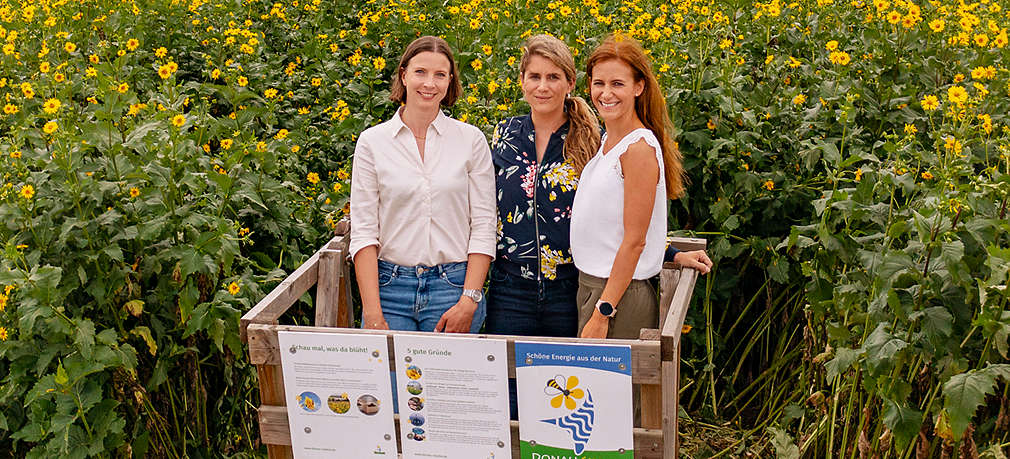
<point>655,355</point>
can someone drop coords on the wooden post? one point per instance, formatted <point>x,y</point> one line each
<point>272,393</point>
<point>327,294</point>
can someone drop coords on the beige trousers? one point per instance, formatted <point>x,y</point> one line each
<point>638,308</point>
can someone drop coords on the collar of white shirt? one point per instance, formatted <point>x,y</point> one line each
<point>440,123</point>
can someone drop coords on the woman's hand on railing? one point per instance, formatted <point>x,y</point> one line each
<point>597,327</point>
<point>696,259</point>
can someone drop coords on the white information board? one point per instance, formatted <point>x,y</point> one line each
<point>338,395</point>
<point>453,397</point>
<point>574,400</point>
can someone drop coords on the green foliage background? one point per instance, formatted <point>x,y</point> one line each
<point>848,164</point>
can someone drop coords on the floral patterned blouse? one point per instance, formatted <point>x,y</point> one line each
<point>534,202</point>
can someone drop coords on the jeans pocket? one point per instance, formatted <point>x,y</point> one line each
<point>455,278</point>
<point>386,277</point>
<point>498,275</point>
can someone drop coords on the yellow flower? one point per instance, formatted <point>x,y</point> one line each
<point>769,185</point>
<point>859,174</point>
<point>957,94</point>
<point>51,106</point>
<point>379,63</point>
<point>242,81</point>
<point>511,61</point>
<point>710,124</point>
<point>10,109</point>
<point>893,17</point>
<point>164,72</point>
<point>281,134</point>
<point>161,52</point>
<point>178,120</point>
<point>50,127</point>
<point>91,72</point>
<point>123,87</point>
<point>313,178</point>
<point>270,93</point>
<point>474,23</point>
<point>337,187</point>
<point>70,47</point>
<point>16,154</point>
<point>799,99</point>
<point>3,333</point>
<point>26,89</point>
<point>215,74</point>
<point>487,49</point>
<point>927,175</point>
<point>27,191</point>
<point>234,288</point>
<point>831,45</point>
<point>317,81</point>
<point>793,62</point>
<point>477,64</point>
<point>910,129</point>
<point>132,44</point>
<point>937,25</point>
<point>981,40</point>
<point>93,59</point>
<point>342,174</point>
<point>261,146</point>
<point>134,192</point>
<point>44,67</point>
<point>840,57</point>
<point>227,143</point>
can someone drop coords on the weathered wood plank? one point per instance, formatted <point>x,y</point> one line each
<point>272,393</point>
<point>667,286</point>
<point>274,431</point>
<point>277,302</point>
<point>645,355</point>
<point>688,244</point>
<point>671,404</point>
<point>674,322</point>
<point>327,295</point>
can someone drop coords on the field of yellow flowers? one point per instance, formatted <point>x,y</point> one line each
<point>166,162</point>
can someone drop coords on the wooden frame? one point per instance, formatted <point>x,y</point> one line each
<point>655,355</point>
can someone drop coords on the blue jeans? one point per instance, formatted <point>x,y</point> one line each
<point>413,298</point>
<point>518,306</point>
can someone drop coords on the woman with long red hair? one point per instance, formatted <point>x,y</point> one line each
<point>618,228</point>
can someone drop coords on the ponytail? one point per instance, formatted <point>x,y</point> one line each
<point>583,138</point>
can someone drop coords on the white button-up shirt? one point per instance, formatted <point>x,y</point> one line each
<point>423,212</point>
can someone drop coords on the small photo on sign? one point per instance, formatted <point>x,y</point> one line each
<point>415,403</point>
<point>309,401</point>
<point>414,388</point>
<point>368,404</point>
<point>413,372</point>
<point>339,403</point>
<point>417,419</point>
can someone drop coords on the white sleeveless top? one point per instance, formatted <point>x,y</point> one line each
<point>598,213</point>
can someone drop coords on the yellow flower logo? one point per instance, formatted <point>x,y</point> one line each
<point>565,390</point>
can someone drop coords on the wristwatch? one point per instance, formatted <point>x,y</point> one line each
<point>605,308</point>
<point>474,294</point>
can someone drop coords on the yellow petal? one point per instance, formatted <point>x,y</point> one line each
<point>569,403</point>
<point>577,393</point>
<point>556,401</point>
<point>572,382</point>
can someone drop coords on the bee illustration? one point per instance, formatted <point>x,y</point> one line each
<point>563,390</point>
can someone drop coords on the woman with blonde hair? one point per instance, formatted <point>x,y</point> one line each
<point>422,204</point>
<point>538,158</point>
<point>618,228</point>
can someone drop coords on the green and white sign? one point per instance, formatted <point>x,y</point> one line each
<point>574,401</point>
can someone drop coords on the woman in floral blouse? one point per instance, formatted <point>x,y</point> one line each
<point>537,159</point>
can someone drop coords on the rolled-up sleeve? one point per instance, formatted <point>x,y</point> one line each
<point>364,198</point>
<point>480,189</point>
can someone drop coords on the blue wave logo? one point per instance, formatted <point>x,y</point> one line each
<point>578,423</point>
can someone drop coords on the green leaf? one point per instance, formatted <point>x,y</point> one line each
<point>145,334</point>
<point>61,375</point>
<point>785,447</point>
<point>903,421</point>
<point>844,357</point>
<point>881,348</point>
<point>964,393</point>
<point>85,337</point>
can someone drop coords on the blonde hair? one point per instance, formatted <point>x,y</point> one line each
<point>650,106</point>
<point>583,139</point>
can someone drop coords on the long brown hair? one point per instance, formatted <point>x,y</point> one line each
<point>583,139</point>
<point>398,93</point>
<point>650,106</point>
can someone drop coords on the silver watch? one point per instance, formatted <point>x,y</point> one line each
<point>474,294</point>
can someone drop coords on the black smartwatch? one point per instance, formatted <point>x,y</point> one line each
<point>605,308</point>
